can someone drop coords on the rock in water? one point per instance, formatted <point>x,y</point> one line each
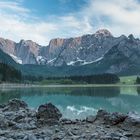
<point>48,113</point>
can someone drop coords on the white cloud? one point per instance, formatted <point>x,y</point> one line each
<point>19,24</point>
<point>12,7</point>
<point>120,17</point>
<point>16,23</point>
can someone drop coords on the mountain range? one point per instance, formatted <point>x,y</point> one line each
<point>100,52</point>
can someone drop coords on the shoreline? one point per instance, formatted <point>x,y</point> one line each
<point>14,85</point>
<point>18,121</point>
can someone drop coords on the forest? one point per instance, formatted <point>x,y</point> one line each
<point>9,73</point>
<point>89,79</point>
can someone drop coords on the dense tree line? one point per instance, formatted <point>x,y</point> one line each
<point>138,80</point>
<point>9,73</point>
<point>97,79</point>
<point>89,79</point>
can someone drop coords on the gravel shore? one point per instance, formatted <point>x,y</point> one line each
<point>19,122</point>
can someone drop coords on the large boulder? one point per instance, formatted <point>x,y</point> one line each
<point>111,118</point>
<point>49,114</point>
<point>115,118</point>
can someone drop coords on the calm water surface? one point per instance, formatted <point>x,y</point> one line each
<point>78,102</point>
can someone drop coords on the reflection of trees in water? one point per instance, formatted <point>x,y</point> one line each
<point>7,95</point>
<point>98,91</point>
<point>138,90</point>
<point>84,91</point>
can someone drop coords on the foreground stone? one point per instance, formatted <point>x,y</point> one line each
<point>18,122</point>
<point>48,113</point>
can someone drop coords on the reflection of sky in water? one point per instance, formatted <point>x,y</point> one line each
<point>78,102</point>
<point>77,111</point>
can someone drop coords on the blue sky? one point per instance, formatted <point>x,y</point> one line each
<point>54,7</point>
<point>42,20</point>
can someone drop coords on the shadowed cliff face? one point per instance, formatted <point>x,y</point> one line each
<point>100,48</point>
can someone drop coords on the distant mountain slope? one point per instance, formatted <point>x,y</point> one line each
<point>24,52</point>
<point>71,51</point>
<point>5,58</point>
<point>102,66</point>
<point>9,74</point>
<point>89,54</point>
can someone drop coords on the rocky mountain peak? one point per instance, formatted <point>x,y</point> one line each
<point>28,43</point>
<point>85,50</point>
<point>131,37</point>
<point>103,32</point>
<point>56,42</point>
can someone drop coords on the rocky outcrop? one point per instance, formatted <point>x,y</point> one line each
<point>7,46</point>
<point>48,113</point>
<point>27,51</point>
<point>24,52</point>
<point>18,122</point>
<point>80,50</point>
<point>111,118</point>
<point>15,105</point>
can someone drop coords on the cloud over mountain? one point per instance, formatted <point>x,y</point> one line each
<point>19,21</point>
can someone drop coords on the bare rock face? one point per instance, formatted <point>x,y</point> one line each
<point>102,47</point>
<point>7,46</point>
<point>120,53</point>
<point>48,113</point>
<point>71,51</point>
<point>103,32</point>
<point>80,50</point>
<point>27,51</point>
<point>24,52</point>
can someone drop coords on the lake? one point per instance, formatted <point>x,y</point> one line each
<point>78,102</point>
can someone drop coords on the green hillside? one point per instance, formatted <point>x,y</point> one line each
<point>5,58</point>
<point>128,79</point>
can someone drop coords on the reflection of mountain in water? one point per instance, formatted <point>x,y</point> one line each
<point>6,96</point>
